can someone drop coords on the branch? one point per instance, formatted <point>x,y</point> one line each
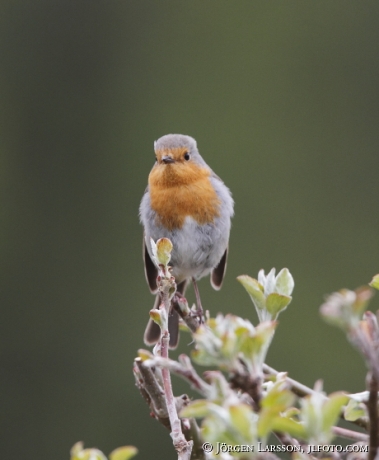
<point>296,387</point>
<point>190,317</point>
<point>183,369</point>
<point>349,434</point>
<point>152,392</point>
<point>192,432</point>
<point>182,447</point>
<point>288,440</point>
<point>372,407</point>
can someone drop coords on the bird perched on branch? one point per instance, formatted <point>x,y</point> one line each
<point>188,203</point>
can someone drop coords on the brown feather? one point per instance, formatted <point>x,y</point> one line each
<point>180,190</point>
<point>217,274</point>
<point>151,271</point>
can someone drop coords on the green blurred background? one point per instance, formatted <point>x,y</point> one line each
<point>282,98</point>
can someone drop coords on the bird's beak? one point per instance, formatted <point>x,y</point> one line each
<point>167,159</point>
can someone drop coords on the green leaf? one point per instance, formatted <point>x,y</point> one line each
<point>156,316</point>
<point>363,296</point>
<point>164,248</point>
<point>292,412</point>
<point>354,410</point>
<point>253,345</point>
<point>145,354</point>
<point>275,303</point>
<point>78,453</point>
<point>280,399</point>
<point>265,421</point>
<point>198,409</point>
<point>254,289</point>
<point>76,449</point>
<point>287,425</point>
<point>332,408</point>
<point>375,282</point>
<point>284,282</point>
<point>123,453</point>
<point>276,401</point>
<point>241,418</point>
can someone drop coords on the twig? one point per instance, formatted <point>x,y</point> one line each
<point>372,408</point>
<point>141,386</point>
<point>152,393</point>
<point>182,446</point>
<point>183,369</point>
<point>288,440</point>
<point>192,432</point>
<point>350,434</point>
<point>190,317</point>
<point>366,338</point>
<point>296,387</point>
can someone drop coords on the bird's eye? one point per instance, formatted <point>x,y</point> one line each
<point>187,156</point>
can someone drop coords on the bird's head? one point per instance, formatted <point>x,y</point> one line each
<point>177,160</point>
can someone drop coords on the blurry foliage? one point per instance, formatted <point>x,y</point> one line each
<point>243,407</point>
<point>121,453</point>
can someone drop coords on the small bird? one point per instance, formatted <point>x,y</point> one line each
<point>188,203</point>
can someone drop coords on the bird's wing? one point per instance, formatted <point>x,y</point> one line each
<point>217,274</point>
<point>151,271</point>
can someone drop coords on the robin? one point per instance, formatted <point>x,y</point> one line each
<point>188,203</point>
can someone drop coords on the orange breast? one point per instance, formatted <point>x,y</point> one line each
<point>181,190</point>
